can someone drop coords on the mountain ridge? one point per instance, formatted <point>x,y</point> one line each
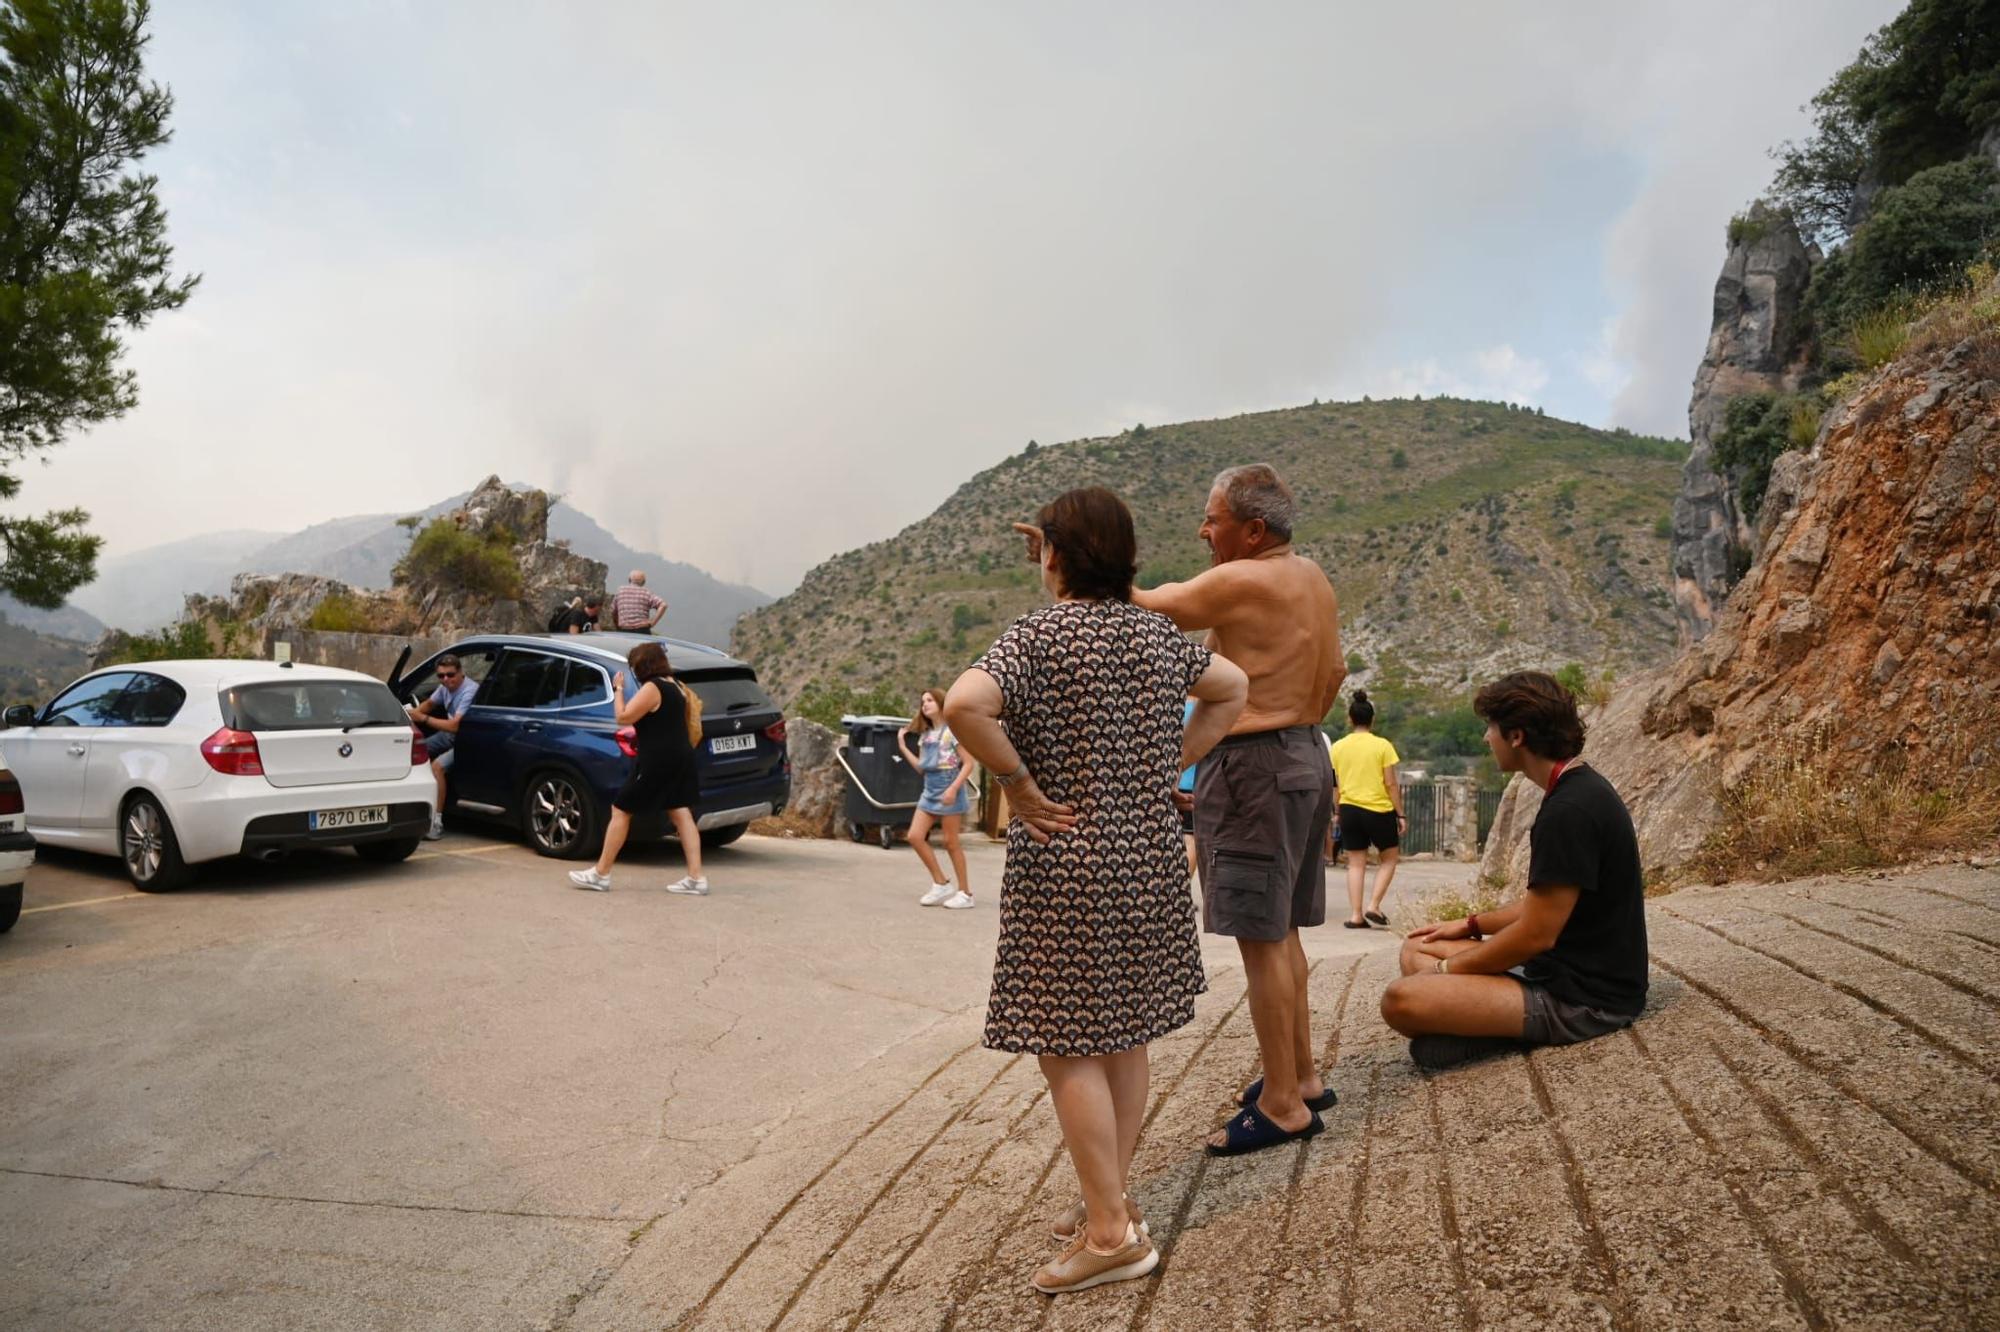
<point>1463,538</point>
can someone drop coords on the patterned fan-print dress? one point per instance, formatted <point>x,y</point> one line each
<point>1098,946</point>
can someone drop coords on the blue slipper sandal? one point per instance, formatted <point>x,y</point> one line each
<point>1326,1100</point>
<point>1253,1131</point>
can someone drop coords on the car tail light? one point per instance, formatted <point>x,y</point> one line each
<point>10,797</point>
<point>418,754</point>
<point>628,741</point>
<point>233,752</point>
<point>776,730</point>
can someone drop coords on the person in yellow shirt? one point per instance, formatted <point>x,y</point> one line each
<point>1370,809</point>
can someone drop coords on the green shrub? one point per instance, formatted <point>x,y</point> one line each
<point>826,703</point>
<point>177,642</point>
<point>1663,528</point>
<point>1746,229</point>
<point>1399,460</point>
<point>445,554</point>
<point>1356,663</point>
<point>339,614</point>
<point>1918,235</point>
<point>1802,428</point>
<point>1756,428</point>
<point>1878,337</point>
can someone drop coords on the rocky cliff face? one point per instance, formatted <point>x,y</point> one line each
<point>1754,346</point>
<point>1871,612</point>
<point>550,572</point>
<point>420,604</point>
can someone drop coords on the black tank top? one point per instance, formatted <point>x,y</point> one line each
<point>662,733</point>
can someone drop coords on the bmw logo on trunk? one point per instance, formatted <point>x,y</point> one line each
<point>346,750</point>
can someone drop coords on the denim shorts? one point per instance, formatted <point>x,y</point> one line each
<point>933,801</point>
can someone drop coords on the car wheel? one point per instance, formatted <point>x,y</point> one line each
<point>886,836</point>
<point>716,837</point>
<point>857,831</point>
<point>147,845</point>
<point>10,907</point>
<point>389,850</point>
<point>559,815</point>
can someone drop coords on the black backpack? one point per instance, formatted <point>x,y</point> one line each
<point>559,618</point>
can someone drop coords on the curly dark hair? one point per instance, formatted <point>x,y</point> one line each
<point>1535,704</point>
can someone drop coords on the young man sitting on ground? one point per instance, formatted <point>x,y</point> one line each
<point>1566,962</point>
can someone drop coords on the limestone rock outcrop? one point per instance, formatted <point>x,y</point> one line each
<point>550,573</point>
<point>1754,346</point>
<point>819,784</point>
<point>262,608</point>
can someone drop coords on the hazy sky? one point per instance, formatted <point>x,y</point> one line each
<point>754,284</point>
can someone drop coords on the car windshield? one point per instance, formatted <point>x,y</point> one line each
<point>307,705</point>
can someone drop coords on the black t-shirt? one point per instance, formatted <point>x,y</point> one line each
<point>1583,839</point>
<point>578,619</point>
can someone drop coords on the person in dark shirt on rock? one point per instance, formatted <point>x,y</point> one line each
<point>583,614</point>
<point>1565,963</point>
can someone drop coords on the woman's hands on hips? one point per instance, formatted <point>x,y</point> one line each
<point>1042,816</point>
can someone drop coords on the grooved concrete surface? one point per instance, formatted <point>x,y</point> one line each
<point>460,1095</point>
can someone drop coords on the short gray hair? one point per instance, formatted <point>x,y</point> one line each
<point>1255,490</point>
<point>638,578</point>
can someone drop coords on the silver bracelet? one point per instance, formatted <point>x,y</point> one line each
<point>1009,778</point>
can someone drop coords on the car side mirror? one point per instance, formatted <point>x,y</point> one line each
<point>21,714</point>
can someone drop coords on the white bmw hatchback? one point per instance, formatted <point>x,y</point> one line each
<point>172,763</point>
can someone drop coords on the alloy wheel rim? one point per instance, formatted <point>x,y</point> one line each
<point>144,842</point>
<point>556,813</point>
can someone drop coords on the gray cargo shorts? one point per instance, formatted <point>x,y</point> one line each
<point>1547,1020</point>
<point>1261,806</point>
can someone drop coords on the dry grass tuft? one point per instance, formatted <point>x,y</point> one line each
<point>1806,809</point>
<point>1484,892</point>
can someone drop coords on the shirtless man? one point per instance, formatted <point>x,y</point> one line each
<point>1264,795</point>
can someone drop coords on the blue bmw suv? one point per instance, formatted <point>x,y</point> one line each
<point>539,747</point>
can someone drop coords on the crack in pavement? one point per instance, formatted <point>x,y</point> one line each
<point>162,1186</point>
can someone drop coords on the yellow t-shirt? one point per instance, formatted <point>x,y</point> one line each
<point>1359,758</point>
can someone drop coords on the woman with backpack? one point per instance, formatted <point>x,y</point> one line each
<point>666,715</point>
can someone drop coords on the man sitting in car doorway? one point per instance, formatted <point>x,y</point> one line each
<point>439,717</point>
<point>1567,961</point>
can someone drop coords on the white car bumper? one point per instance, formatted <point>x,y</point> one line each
<point>227,816</point>
<point>14,865</point>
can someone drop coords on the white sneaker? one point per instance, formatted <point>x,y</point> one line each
<point>591,879</point>
<point>437,828</point>
<point>691,886</point>
<point>937,894</point>
<point>958,901</point>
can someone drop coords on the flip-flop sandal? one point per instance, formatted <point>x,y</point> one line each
<point>1253,1131</point>
<point>1355,924</point>
<point>1375,918</point>
<point>1326,1100</point>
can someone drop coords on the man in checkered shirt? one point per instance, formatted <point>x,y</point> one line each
<point>633,608</point>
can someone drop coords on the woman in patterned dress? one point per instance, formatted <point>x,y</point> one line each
<point>1076,709</point>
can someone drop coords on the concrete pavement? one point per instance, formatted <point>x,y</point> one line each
<point>458,1093</point>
